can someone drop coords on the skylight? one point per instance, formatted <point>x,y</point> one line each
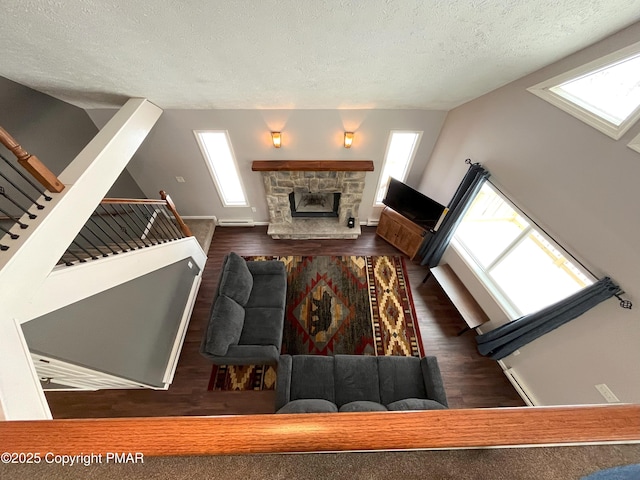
<point>400,152</point>
<point>216,148</point>
<point>612,93</point>
<point>604,93</point>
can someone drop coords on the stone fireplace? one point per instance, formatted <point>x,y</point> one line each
<point>329,191</point>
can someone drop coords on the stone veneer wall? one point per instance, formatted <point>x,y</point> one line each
<point>278,185</point>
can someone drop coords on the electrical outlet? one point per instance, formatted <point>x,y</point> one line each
<point>606,393</point>
<point>253,209</point>
<point>180,179</point>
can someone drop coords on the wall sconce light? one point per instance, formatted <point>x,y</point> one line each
<point>276,138</point>
<point>348,139</point>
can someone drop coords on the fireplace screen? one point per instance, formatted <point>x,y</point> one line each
<point>314,204</point>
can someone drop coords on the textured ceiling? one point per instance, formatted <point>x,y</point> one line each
<point>235,54</point>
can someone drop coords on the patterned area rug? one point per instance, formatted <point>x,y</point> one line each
<point>337,305</point>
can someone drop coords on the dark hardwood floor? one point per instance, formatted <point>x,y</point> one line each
<point>471,381</point>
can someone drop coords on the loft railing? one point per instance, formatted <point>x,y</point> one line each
<point>20,192</point>
<point>120,225</point>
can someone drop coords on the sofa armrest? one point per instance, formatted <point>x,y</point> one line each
<point>283,381</point>
<point>245,355</point>
<point>266,267</point>
<point>433,380</point>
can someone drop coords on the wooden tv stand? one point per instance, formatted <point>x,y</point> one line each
<point>401,232</point>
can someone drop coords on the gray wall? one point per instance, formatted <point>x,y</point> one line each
<point>171,150</point>
<point>582,187</point>
<point>52,130</point>
<point>127,331</point>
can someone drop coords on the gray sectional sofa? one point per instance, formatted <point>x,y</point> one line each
<point>356,383</point>
<point>247,315</point>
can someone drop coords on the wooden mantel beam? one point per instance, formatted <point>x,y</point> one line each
<point>312,165</point>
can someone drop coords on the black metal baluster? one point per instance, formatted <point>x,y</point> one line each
<point>145,224</point>
<point>114,230</point>
<point>106,244</point>
<point>67,262</point>
<point>109,236</point>
<point>93,246</point>
<point>13,236</point>
<point>24,210</point>
<point>161,225</point>
<point>38,188</point>
<point>126,218</point>
<point>14,219</point>
<point>33,200</point>
<point>124,226</point>
<point>139,224</point>
<point>93,257</point>
<point>170,220</point>
<point>155,223</point>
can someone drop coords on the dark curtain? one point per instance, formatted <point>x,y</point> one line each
<point>434,248</point>
<point>506,339</point>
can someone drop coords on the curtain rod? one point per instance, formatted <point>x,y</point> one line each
<point>623,303</point>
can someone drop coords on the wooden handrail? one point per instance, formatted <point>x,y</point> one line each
<point>238,434</point>
<point>31,163</point>
<point>172,206</point>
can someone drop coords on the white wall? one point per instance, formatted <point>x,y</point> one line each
<point>171,150</point>
<point>580,186</point>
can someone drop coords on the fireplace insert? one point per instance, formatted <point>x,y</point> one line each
<point>314,204</point>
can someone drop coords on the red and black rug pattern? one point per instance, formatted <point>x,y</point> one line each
<point>337,305</point>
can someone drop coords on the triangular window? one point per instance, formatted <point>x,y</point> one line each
<point>604,93</point>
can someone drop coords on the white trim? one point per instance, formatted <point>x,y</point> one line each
<point>21,397</point>
<point>182,332</point>
<point>543,91</point>
<point>208,162</point>
<point>407,167</point>
<point>635,143</point>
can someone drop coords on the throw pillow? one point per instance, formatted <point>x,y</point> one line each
<point>236,281</point>
<point>225,325</point>
<point>416,404</point>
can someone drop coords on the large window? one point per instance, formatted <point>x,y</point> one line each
<point>401,149</point>
<point>604,93</point>
<point>521,266</point>
<point>216,149</point>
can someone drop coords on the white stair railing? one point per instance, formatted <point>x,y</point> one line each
<point>25,268</point>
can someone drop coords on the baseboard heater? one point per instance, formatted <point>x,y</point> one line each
<point>512,375</point>
<point>247,222</point>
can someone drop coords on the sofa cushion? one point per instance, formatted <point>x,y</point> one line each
<point>312,377</point>
<point>356,378</point>
<point>236,281</point>
<point>269,289</point>
<point>262,326</point>
<point>416,404</point>
<point>225,325</point>
<point>400,378</point>
<point>363,406</point>
<point>314,405</point>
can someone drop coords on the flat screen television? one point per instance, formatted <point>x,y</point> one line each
<point>414,205</point>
